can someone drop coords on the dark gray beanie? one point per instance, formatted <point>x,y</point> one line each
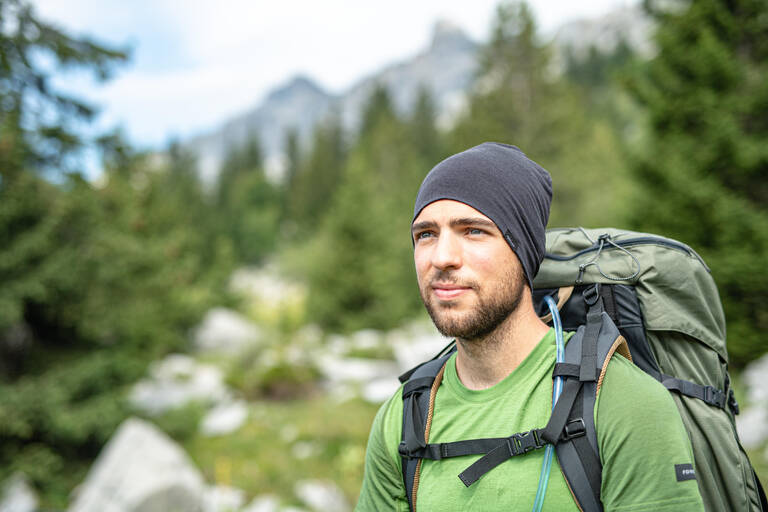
<point>503,184</point>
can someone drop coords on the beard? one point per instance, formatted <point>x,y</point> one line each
<point>493,306</point>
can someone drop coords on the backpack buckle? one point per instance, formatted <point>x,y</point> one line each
<point>733,405</point>
<point>403,450</point>
<point>524,442</point>
<point>574,428</point>
<point>714,396</point>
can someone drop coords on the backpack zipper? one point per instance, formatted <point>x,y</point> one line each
<point>645,240</point>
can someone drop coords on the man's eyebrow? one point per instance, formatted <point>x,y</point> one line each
<point>463,221</point>
<point>471,221</point>
<point>424,224</point>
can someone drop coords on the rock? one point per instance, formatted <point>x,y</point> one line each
<point>752,426</point>
<point>415,344</point>
<point>265,285</point>
<point>380,390</point>
<point>222,498</point>
<point>175,381</point>
<point>264,503</point>
<point>366,339</point>
<point>16,495</point>
<point>752,423</point>
<point>755,377</point>
<point>321,496</point>
<point>225,331</point>
<point>337,369</point>
<point>224,418</point>
<point>141,469</point>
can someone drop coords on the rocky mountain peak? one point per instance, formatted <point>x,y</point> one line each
<point>300,85</point>
<point>449,37</point>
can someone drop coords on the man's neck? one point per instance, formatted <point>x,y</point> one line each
<point>484,362</point>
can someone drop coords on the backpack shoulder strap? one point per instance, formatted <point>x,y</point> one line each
<point>417,399</point>
<point>572,426</point>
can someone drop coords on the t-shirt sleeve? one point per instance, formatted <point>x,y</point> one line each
<point>644,447</point>
<point>383,488</point>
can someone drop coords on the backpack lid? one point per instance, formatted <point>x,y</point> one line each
<point>674,286</point>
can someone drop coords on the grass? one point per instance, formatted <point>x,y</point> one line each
<point>284,442</point>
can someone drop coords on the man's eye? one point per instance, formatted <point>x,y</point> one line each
<point>423,235</point>
<point>475,231</point>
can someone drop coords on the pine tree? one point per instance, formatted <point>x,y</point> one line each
<point>361,271</point>
<point>704,171</point>
<point>311,190</point>
<point>518,100</point>
<point>248,206</point>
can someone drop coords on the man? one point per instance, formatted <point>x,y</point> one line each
<point>478,233</point>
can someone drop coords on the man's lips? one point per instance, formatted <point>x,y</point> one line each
<point>447,291</point>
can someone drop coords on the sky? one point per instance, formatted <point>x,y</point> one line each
<point>195,63</point>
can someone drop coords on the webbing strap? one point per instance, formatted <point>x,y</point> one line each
<point>590,461</point>
<point>413,433</point>
<point>562,410</point>
<point>708,394</point>
<point>417,384</point>
<point>591,332</point>
<point>569,370</point>
<point>517,444</point>
<point>438,451</point>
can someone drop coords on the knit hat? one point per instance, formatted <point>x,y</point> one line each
<point>503,184</point>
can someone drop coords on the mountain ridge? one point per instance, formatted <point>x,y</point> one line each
<point>446,67</point>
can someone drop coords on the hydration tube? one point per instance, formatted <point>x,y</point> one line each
<point>557,388</point>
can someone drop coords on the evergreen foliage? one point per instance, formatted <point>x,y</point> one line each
<point>519,100</point>
<point>248,206</point>
<point>96,280</point>
<point>313,180</point>
<point>704,172</point>
<point>361,270</point>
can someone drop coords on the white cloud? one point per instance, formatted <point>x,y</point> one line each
<point>198,62</point>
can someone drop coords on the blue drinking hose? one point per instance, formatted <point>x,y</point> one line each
<point>546,466</point>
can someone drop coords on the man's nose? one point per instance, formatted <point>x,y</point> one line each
<point>447,252</point>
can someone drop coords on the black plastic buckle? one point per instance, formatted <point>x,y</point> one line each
<point>732,403</point>
<point>714,396</point>
<point>524,442</point>
<point>574,428</point>
<point>403,450</point>
<point>591,294</point>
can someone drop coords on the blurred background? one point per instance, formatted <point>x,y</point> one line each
<point>205,208</point>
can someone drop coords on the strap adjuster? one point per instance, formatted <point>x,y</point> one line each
<point>714,396</point>
<point>403,450</point>
<point>574,428</point>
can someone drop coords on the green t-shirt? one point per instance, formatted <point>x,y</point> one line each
<point>640,435</point>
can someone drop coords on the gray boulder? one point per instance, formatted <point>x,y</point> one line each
<point>752,423</point>
<point>224,331</point>
<point>16,495</point>
<point>321,496</point>
<point>222,498</point>
<point>141,470</point>
<point>224,419</point>
<point>175,381</point>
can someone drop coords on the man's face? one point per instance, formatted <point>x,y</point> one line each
<point>469,278</point>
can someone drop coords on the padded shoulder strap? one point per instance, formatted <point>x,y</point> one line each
<point>579,457</point>
<point>416,394</point>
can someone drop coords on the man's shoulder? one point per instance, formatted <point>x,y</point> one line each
<point>630,399</point>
